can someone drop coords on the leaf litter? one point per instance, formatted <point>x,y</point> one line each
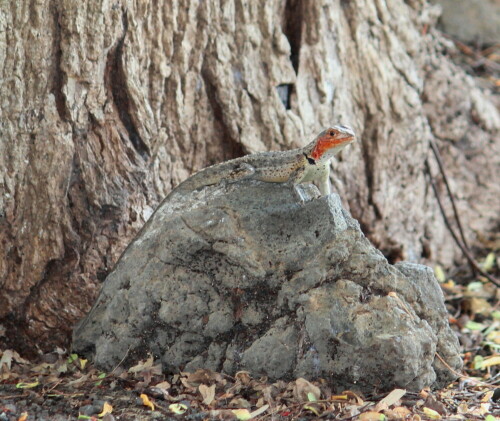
<point>61,386</point>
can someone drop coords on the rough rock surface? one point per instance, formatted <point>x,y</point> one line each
<point>242,277</point>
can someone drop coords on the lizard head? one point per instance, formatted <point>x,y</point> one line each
<point>331,141</point>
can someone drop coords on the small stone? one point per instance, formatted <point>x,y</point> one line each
<point>88,410</point>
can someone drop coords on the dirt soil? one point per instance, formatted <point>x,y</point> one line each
<point>62,386</point>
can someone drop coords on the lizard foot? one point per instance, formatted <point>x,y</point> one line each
<point>306,192</point>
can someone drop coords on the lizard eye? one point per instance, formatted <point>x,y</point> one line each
<point>331,133</point>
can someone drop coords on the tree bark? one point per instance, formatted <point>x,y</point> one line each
<point>105,106</point>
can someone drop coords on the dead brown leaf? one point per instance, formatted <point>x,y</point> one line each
<point>142,365</point>
<point>397,413</point>
<point>243,377</point>
<point>371,416</point>
<point>207,393</point>
<point>302,390</point>
<point>390,399</point>
<point>203,376</point>
<point>6,360</point>
<point>239,403</point>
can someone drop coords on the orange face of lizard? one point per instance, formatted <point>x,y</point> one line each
<point>332,138</point>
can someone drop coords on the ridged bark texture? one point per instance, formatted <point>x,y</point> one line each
<point>106,105</point>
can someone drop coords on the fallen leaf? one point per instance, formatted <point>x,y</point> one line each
<point>142,365</point>
<point>23,385</point>
<point>371,416</point>
<point>163,385</point>
<point>146,401</point>
<point>106,409</point>
<point>489,262</point>
<point>243,377</point>
<point>42,368</point>
<point>313,409</point>
<point>351,411</point>
<point>259,411</point>
<point>491,361</point>
<point>435,405</point>
<point>471,325</point>
<point>7,358</point>
<point>483,409</point>
<point>203,376</point>
<point>83,363</point>
<point>449,284</point>
<point>476,305</point>
<point>207,392</point>
<point>399,412</point>
<point>303,390</point>
<point>23,417</point>
<point>226,395</point>
<point>433,415</point>
<point>242,414</point>
<point>494,336</point>
<point>78,381</point>
<point>353,395</point>
<point>475,286</point>
<point>18,359</point>
<point>238,403</point>
<point>487,396</point>
<point>439,273</point>
<point>462,409</point>
<point>311,397</point>
<point>478,362</point>
<point>390,399</point>
<point>178,408</point>
<point>424,393</point>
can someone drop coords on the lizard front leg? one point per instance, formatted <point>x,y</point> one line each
<point>300,192</point>
<point>324,180</point>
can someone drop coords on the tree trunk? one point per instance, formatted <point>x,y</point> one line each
<point>105,106</point>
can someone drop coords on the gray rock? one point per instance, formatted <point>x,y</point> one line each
<point>471,20</point>
<point>242,277</point>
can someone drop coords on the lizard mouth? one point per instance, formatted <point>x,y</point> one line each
<point>343,133</point>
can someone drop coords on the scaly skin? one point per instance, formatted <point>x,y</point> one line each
<point>310,163</point>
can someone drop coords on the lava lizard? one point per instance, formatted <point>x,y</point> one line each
<point>312,162</point>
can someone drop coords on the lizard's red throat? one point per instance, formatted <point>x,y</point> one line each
<point>331,138</point>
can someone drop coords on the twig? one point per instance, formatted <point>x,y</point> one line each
<point>464,376</point>
<point>4,397</point>
<point>489,50</point>
<point>123,359</point>
<point>465,251</point>
<point>455,372</point>
<point>55,385</point>
<point>476,55</point>
<point>439,161</point>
